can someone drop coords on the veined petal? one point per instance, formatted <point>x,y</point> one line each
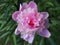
<point>44,33</point>
<point>14,15</point>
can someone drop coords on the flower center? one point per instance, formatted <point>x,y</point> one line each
<point>31,24</point>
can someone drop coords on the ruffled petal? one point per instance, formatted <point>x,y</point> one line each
<point>44,33</point>
<point>32,5</point>
<point>14,15</point>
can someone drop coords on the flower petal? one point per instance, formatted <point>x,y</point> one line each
<point>30,40</point>
<point>28,37</point>
<point>32,5</point>
<point>46,23</point>
<point>45,15</point>
<point>14,15</point>
<point>17,31</point>
<point>44,33</point>
<point>20,7</point>
<point>24,6</point>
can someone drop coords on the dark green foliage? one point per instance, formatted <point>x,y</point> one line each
<point>7,25</point>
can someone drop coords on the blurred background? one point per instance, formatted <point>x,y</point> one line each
<point>7,25</point>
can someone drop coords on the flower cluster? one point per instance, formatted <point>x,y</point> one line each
<point>30,21</point>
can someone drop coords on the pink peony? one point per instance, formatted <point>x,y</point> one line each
<point>30,21</point>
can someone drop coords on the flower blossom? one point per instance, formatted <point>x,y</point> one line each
<point>30,21</point>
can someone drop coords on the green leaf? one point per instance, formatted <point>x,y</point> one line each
<point>6,41</point>
<point>51,41</point>
<point>50,3</point>
<point>2,21</point>
<point>7,11</point>
<point>4,34</point>
<point>42,41</point>
<point>2,25</point>
<point>6,26</point>
<point>2,4</point>
<point>14,39</point>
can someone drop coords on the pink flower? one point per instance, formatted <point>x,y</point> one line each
<point>30,21</point>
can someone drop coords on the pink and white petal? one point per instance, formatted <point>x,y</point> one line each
<point>44,33</point>
<point>24,36</point>
<point>17,31</point>
<point>40,16</point>
<point>45,15</point>
<point>14,15</point>
<point>32,5</point>
<point>28,37</point>
<point>24,6</point>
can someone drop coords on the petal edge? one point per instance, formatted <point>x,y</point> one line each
<point>44,33</point>
<point>14,15</point>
